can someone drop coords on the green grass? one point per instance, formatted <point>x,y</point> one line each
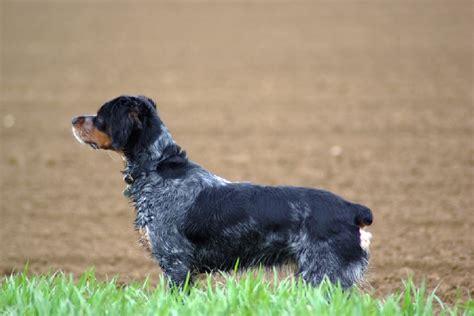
<point>59,294</point>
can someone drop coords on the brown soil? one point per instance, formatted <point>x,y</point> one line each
<point>372,100</point>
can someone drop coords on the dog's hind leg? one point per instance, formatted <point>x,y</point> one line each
<point>317,261</point>
<point>320,260</point>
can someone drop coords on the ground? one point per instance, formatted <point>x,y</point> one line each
<point>371,100</point>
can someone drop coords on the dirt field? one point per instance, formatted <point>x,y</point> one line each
<point>372,100</point>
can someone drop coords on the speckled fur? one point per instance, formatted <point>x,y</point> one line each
<point>195,221</point>
<point>144,238</point>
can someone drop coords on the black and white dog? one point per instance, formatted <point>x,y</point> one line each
<point>193,221</point>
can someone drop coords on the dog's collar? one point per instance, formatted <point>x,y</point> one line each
<point>129,179</point>
<point>130,176</point>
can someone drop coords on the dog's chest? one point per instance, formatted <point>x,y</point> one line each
<point>144,238</point>
<point>160,205</point>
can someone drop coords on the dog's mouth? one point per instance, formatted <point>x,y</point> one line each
<point>93,145</point>
<point>77,136</point>
<point>81,140</point>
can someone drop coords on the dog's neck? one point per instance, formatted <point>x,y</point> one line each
<point>163,150</point>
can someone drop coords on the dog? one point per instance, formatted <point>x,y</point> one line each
<point>193,221</point>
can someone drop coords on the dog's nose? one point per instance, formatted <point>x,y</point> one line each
<point>77,119</point>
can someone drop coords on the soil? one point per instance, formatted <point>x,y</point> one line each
<point>371,100</point>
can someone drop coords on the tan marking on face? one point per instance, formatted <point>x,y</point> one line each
<point>101,139</point>
<point>85,132</point>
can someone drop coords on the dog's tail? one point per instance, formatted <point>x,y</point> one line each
<point>363,215</point>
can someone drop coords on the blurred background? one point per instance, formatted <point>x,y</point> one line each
<point>369,99</point>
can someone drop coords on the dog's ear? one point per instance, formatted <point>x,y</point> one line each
<point>148,102</point>
<point>132,115</point>
<point>122,127</point>
<point>141,110</point>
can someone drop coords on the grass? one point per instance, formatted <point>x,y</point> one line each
<point>60,294</point>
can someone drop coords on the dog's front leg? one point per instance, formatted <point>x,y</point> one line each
<point>174,254</point>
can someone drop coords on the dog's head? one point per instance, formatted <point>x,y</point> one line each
<point>121,124</point>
